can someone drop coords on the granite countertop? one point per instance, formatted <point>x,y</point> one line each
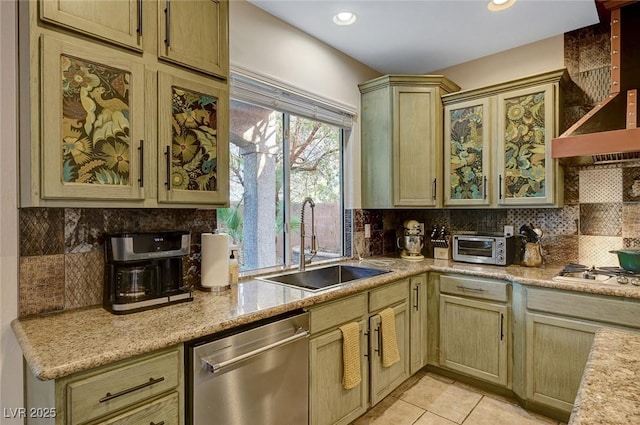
<point>609,392</point>
<point>59,344</point>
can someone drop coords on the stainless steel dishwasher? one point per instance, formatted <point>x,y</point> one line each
<point>259,376</point>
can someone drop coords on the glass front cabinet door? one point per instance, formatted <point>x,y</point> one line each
<point>192,115</point>
<point>526,124</point>
<point>467,153</point>
<point>93,122</point>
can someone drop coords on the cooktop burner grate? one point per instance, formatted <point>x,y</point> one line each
<point>581,273</point>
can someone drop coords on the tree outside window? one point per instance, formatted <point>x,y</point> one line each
<point>276,160</point>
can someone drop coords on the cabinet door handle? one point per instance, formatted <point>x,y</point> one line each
<point>141,155</point>
<point>167,24</point>
<point>156,423</point>
<point>139,29</point>
<point>416,305</point>
<point>167,154</point>
<point>434,189</point>
<point>484,187</point>
<point>378,349</point>
<point>500,186</point>
<point>501,326</point>
<point>151,381</point>
<point>466,288</point>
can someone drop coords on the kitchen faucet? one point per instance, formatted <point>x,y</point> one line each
<point>303,261</point>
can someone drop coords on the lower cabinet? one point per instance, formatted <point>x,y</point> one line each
<point>557,351</point>
<point>559,331</point>
<point>474,328</point>
<point>146,389</point>
<point>418,315</point>
<point>329,402</point>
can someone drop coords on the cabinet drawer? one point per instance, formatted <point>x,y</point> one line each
<point>162,411</point>
<point>337,313</point>
<point>387,295</point>
<point>474,287</point>
<point>104,393</point>
<point>622,312</point>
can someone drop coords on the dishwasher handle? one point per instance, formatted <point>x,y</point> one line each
<point>217,367</point>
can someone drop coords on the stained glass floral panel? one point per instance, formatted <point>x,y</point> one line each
<point>194,140</point>
<point>525,146</point>
<point>95,123</point>
<point>466,153</point>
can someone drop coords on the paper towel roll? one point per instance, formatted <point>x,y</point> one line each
<point>215,261</point>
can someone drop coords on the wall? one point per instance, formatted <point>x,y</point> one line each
<point>265,45</point>
<point>508,65</point>
<point>10,354</point>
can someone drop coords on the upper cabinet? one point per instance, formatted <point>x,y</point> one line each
<point>190,33</point>
<point>117,21</point>
<point>402,140</point>
<point>195,34</point>
<point>497,144</point>
<point>103,125</point>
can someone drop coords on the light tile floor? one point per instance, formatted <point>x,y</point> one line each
<point>429,399</point>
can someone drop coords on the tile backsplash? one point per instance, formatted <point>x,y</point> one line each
<point>62,250</point>
<point>601,212</point>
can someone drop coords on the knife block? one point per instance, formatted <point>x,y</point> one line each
<point>443,253</point>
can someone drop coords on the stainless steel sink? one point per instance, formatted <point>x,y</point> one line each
<point>325,277</point>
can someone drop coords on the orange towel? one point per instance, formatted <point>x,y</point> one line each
<point>390,353</point>
<point>351,376</point>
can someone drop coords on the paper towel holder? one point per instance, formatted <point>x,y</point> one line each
<point>214,263</point>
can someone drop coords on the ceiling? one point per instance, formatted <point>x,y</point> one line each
<point>421,36</point>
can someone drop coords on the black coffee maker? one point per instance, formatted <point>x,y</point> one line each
<point>144,270</point>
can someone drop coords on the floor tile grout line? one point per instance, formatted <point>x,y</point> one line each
<point>474,408</point>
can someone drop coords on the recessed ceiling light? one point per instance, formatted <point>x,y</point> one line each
<point>497,5</point>
<point>344,18</point>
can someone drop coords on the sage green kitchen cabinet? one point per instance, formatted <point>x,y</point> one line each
<point>119,22</point>
<point>96,120</point>
<point>195,34</point>
<point>148,388</point>
<point>510,125</point>
<point>384,380</point>
<point>557,351</point>
<point>474,327</point>
<point>401,139</point>
<point>329,402</point>
<point>190,33</point>
<point>193,151</point>
<point>418,314</point>
<point>559,327</point>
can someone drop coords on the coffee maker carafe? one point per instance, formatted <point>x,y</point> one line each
<point>412,242</point>
<point>144,270</point>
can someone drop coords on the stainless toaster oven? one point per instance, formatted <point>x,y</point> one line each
<point>484,249</point>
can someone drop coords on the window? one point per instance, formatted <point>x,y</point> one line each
<point>282,151</point>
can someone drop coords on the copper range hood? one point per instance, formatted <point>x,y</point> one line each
<point>609,133</point>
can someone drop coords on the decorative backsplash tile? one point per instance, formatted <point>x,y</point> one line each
<point>74,277</point>
<point>631,220</point>
<point>631,184</point>
<point>84,278</point>
<point>560,250</point>
<point>571,185</point>
<point>594,250</point>
<point>41,284</point>
<point>600,185</point>
<point>601,219</point>
<point>41,231</point>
